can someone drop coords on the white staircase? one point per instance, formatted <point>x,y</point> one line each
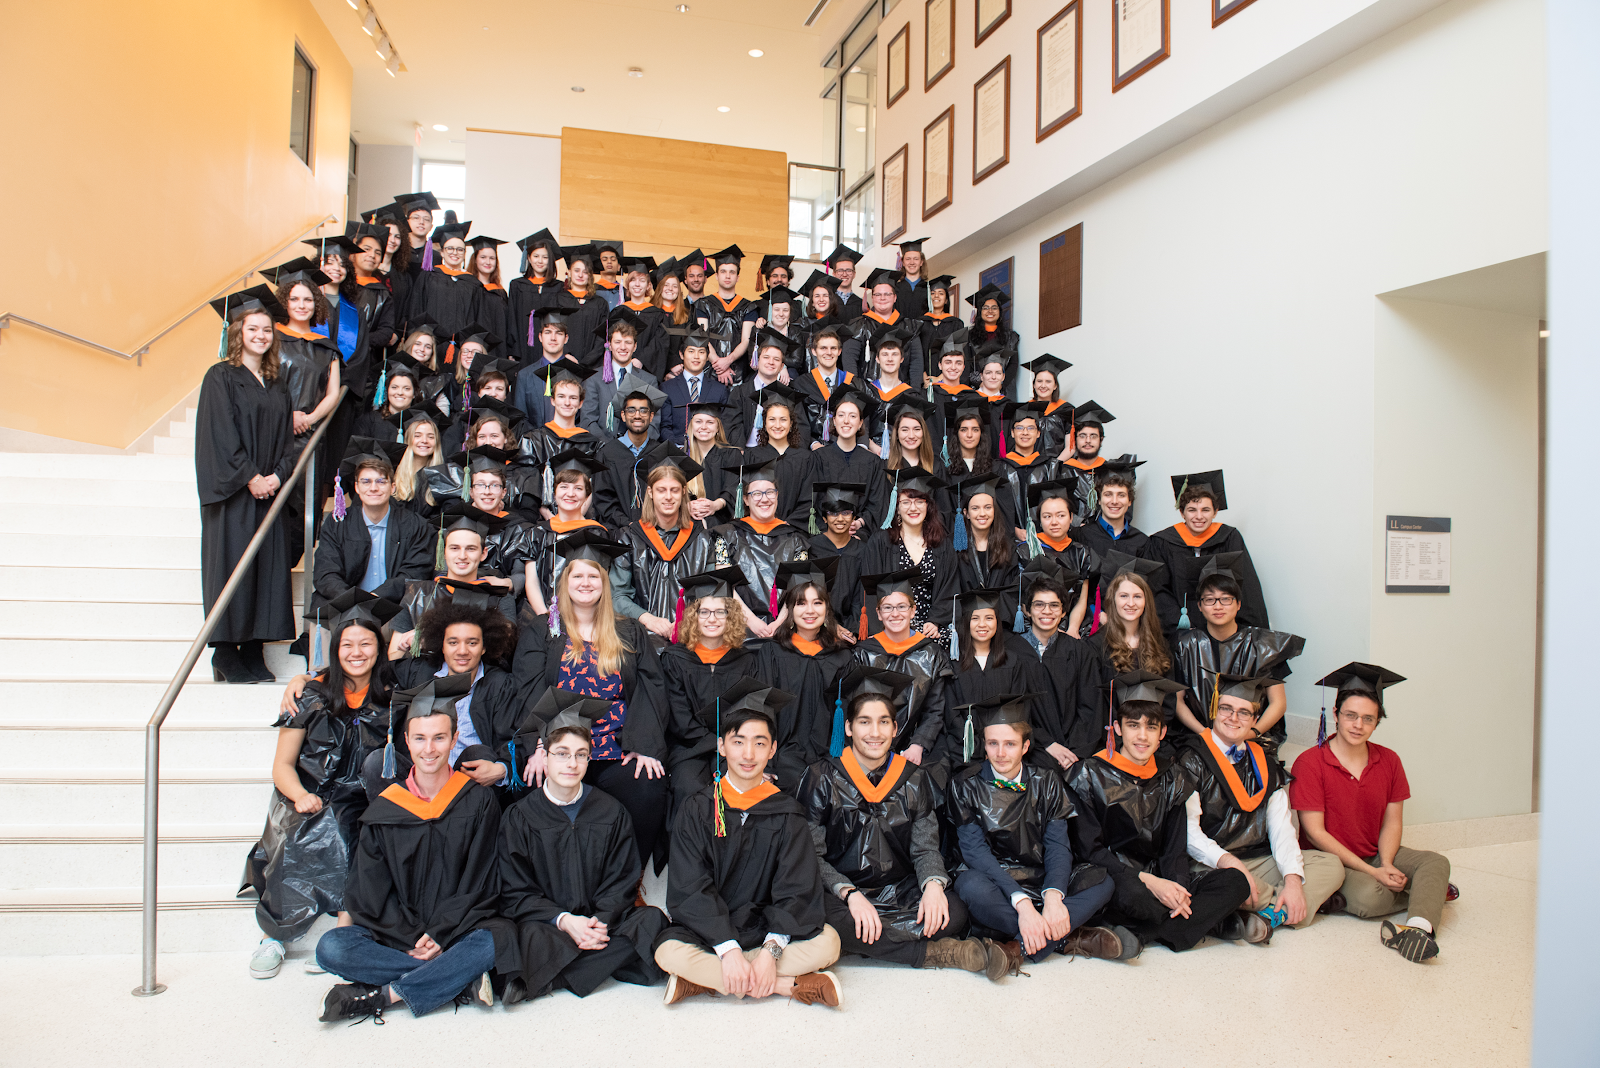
<point>96,618</point>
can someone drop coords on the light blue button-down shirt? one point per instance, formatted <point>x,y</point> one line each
<point>377,564</point>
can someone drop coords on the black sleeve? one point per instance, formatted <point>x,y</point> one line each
<point>329,575</point>
<point>643,731</point>
<point>946,586</point>
<point>528,663</point>
<point>931,721</point>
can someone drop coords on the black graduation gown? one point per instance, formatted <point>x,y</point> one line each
<point>1078,559</point>
<point>586,339</point>
<point>926,700</point>
<point>299,866</point>
<point>1179,594</point>
<point>656,581</point>
<point>746,399</point>
<point>845,595</point>
<point>550,864</point>
<point>655,350</point>
<point>832,464</point>
<point>303,364</point>
<point>693,687</point>
<point>1094,690</point>
<point>626,471</point>
<point>934,332</point>
<point>495,709</point>
<point>1055,428</point>
<point>537,667</point>
<point>805,727</point>
<point>1129,825</point>
<point>869,843</point>
<point>494,312</point>
<point>813,385</point>
<point>725,323</point>
<point>1197,657</point>
<point>795,468</point>
<point>938,582</point>
<point>1014,822</point>
<point>430,593</point>
<point>525,296</point>
<point>1022,474</point>
<point>1223,817</point>
<point>720,484</point>
<point>416,873</point>
<point>243,430</point>
<point>976,571</point>
<point>537,446</point>
<point>345,548</point>
<point>1086,499</point>
<point>943,434</point>
<point>982,341</point>
<point>761,876</point>
<point>375,307</point>
<point>399,284</point>
<point>847,306</point>
<point>861,339</point>
<point>1074,712</point>
<point>1100,542</point>
<point>454,300</point>
<point>1021,673</point>
<point>539,547</point>
<point>757,556</point>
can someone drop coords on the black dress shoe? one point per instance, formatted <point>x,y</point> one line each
<point>227,665</point>
<point>1335,903</point>
<point>253,662</point>
<point>301,646</point>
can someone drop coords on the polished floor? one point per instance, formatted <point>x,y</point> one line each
<point>1327,995</point>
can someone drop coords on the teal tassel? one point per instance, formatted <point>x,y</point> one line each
<point>1018,624</point>
<point>1183,615</point>
<point>894,502</point>
<point>466,481</point>
<point>1033,539</point>
<point>222,343</point>
<point>381,392</point>
<point>516,776</point>
<point>317,662</point>
<point>836,743</point>
<point>960,539</point>
<point>811,521</point>
<point>969,741</point>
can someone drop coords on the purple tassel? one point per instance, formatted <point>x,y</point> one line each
<point>609,372</point>
<point>427,254</point>
<point>533,329</point>
<point>339,511</point>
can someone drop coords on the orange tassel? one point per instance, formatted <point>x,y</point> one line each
<point>862,630</point>
<point>450,353</point>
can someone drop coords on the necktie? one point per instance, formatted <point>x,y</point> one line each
<point>694,389</point>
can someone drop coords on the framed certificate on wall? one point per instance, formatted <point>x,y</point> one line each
<point>938,41</point>
<point>938,162</point>
<point>1141,37</point>
<point>991,121</point>
<point>1058,96</point>
<point>1223,10</point>
<point>987,15</point>
<point>893,208</point>
<point>898,77</point>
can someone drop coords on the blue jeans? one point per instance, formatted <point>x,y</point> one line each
<point>994,910</point>
<point>352,953</point>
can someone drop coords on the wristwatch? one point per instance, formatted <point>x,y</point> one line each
<point>773,948</point>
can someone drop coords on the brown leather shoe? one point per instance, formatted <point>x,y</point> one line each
<point>1009,962</point>
<point>813,987</point>
<point>679,988</point>
<point>1099,942</point>
<point>968,954</point>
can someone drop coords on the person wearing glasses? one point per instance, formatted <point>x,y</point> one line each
<point>1223,645</point>
<point>1069,727</point>
<point>897,647</point>
<point>756,544</point>
<point>379,549</point>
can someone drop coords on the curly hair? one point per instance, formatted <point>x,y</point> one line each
<point>270,361</point>
<point>733,636</point>
<point>319,312</point>
<point>499,633</point>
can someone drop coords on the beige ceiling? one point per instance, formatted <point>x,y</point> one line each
<point>510,65</point>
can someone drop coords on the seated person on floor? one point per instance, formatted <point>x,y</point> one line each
<point>1351,796</point>
<point>1013,822</point>
<point>1132,822</point>
<point>1239,811</point>
<point>744,888</point>
<point>569,870</point>
<point>419,921</point>
<point>875,821</point>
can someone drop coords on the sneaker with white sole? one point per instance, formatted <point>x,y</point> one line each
<point>267,959</point>
<point>313,968</point>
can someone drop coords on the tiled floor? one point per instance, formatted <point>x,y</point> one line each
<point>1328,995</point>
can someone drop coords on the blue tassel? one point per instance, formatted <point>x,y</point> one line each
<point>955,643</point>
<point>316,661</point>
<point>960,540</point>
<point>836,743</point>
<point>516,776</point>
<point>1018,623</point>
<point>894,503</point>
<point>381,392</point>
<point>388,758</point>
<point>1183,615</point>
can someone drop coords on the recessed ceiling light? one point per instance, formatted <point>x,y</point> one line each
<point>756,53</point>
<point>440,127</point>
<point>355,4</point>
<point>682,9</point>
<point>577,88</point>
<point>636,72</point>
<point>724,107</point>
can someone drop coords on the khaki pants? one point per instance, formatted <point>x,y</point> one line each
<point>1429,875</point>
<point>701,966</point>
<point>1323,876</point>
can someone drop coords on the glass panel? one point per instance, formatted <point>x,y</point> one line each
<point>813,191</point>
<point>859,121</point>
<point>300,109</point>
<point>861,37</point>
<point>858,225</point>
<point>448,183</point>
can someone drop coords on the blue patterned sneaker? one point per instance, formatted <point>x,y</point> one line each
<point>1275,917</point>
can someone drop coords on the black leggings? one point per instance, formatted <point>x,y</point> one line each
<point>644,798</point>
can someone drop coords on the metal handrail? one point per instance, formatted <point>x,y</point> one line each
<point>137,355</point>
<point>152,731</point>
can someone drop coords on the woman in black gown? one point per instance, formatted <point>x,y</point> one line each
<point>244,451</point>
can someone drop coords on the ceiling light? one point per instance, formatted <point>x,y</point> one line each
<point>385,49</point>
<point>441,127</point>
<point>393,66</point>
<point>636,72</point>
<point>369,25</point>
<point>682,9</point>
<point>577,88</point>
<point>724,108</point>
<point>355,5</point>
<point>756,53</point>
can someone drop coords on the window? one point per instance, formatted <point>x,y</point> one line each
<point>302,107</point>
<point>854,91</point>
<point>448,183</point>
<point>813,195</point>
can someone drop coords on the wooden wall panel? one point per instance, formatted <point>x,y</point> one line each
<point>1061,282</point>
<point>664,197</point>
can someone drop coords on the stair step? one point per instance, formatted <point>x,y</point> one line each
<point>104,550</point>
<point>123,747</point>
<point>45,619</point>
<point>68,467</point>
<point>104,492</point>
<point>98,659</point>
<point>67,705</point>
<point>117,795</point>
<point>143,521</point>
<point>172,585</point>
<point>26,863</point>
<point>174,446</point>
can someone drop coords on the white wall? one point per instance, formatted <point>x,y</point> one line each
<point>1229,295</point>
<point>382,173</point>
<point>513,189</point>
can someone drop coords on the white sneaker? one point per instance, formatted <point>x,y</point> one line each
<point>267,959</point>
<point>313,968</point>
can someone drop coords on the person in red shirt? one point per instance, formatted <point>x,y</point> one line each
<point>1351,798</point>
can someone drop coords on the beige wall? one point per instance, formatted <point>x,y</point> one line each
<point>1455,433</point>
<point>148,155</point>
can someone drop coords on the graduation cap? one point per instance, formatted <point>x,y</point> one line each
<point>1000,710</point>
<point>355,231</point>
<point>506,369</point>
<point>541,239</point>
<point>748,696</point>
<point>1126,464</point>
<point>755,466</point>
<point>565,369</point>
<point>478,244</point>
<point>1033,409</point>
<point>389,211</point>
<point>781,295</point>
<point>587,253</point>
<point>1091,414</point>
<point>1223,564</point>
<point>358,451</point>
<point>697,338</point>
<point>1114,563</point>
<point>1144,686</point>
<point>882,276</point>
<point>1368,679</point>
<point>969,405</point>
<point>579,715</point>
<point>944,282</point>
<point>463,515</point>
<point>449,230</point>
<point>355,604</point>
<point>989,291</point>
<point>778,393</point>
<point>705,407</point>
<point>575,460</point>
<point>876,681</point>
<point>341,242</point>
<point>821,570</point>
<point>999,356</point>
<point>1244,687</point>
<point>473,594</point>
<point>254,299</point>
<point>831,498</point>
<point>555,309</point>
<point>645,265</point>
<point>774,259</point>
<point>817,278</point>
<point>971,487</point>
<point>1207,480</point>
<point>300,269</point>
<point>422,324</point>
<point>693,259</point>
<point>722,582</point>
<point>912,245</point>
<point>881,586</point>
<point>410,202</point>
<point>478,335</point>
<point>613,247</point>
<point>668,453</point>
<point>641,389</point>
<point>620,314</point>
<point>431,698</point>
<point>1056,489</point>
<point>732,254</point>
<point>911,400</point>
<point>593,544</point>
<point>849,391</point>
<point>1054,364</point>
<point>1045,566</point>
<point>485,458</point>
<point>917,480</point>
<point>669,269</point>
<point>841,254</point>
<point>768,338</point>
<point>972,600</point>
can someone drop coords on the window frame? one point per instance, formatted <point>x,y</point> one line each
<point>309,158</point>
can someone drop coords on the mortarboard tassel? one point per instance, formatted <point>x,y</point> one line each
<point>1111,719</point>
<point>1094,622</point>
<point>827,426</point>
<point>1322,719</point>
<point>1183,614</point>
<point>438,550</point>
<point>718,818</point>
<point>1033,537</point>
<point>450,352</point>
<point>969,740</point>
<point>861,631</point>
<point>811,520</point>
<point>555,619</point>
<point>339,509</point>
<point>389,769</point>
<point>381,392</point>
<point>1216,694</point>
<point>427,254</point>
<point>738,496</point>
<point>959,539</point>
<point>894,502</point>
<point>772,599</point>
<point>222,343</point>
<point>316,660</point>
<point>549,487</point>
<point>955,641</point>
<point>516,776</point>
<point>1018,623</point>
<point>836,741</point>
<point>677,617</point>
<point>533,329</point>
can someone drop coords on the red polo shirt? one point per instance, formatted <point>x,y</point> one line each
<point>1352,809</point>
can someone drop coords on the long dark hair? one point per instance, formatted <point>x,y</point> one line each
<point>997,644</point>
<point>983,462</point>
<point>1002,542</point>
<point>400,260</point>
<point>347,288</point>
<point>828,637</point>
<point>933,531</point>
<point>1002,325</point>
<point>337,681</point>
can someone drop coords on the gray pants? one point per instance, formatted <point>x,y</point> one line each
<point>1429,875</point>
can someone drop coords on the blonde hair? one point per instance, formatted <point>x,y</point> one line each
<point>896,458</point>
<point>411,340</point>
<point>647,507</point>
<point>698,453</point>
<point>733,637</point>
<point>608,644</point>
<point>269,359</point>
<point>405,475</point>
<point>1152,653</point>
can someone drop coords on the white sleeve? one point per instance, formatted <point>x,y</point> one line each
<point>1281,833</point>
<point>1201,848</point>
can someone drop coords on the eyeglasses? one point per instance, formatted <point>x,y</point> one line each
<point>371,483</point>
<point>713,613</point>
<point>1365,721</point>
<point>1217,602</point>
<point>634,409</point>
<point>763,495</point>
<point>1224,712</point>
<point>485,485</point>
<point>894,610</point>
<point>567,756</point>
<point>1046,606</point>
